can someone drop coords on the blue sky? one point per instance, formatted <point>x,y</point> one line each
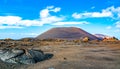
<point>29,18</point>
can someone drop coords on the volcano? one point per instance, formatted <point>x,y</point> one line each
<point>69,33</point>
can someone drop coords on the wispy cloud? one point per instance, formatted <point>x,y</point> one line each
<point>69,23</point>
<point>28,34</point>
<point>108,27</point>
<point>76,15</point>
<point>93,7</point>
<point>110,12</point>
<point>117,31</point>
<point>118,24</point>
<point>4,27</point>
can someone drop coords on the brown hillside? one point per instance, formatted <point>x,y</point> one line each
<point>66,33</point>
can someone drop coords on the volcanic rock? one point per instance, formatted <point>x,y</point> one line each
<point>66,33</point>
<point>21,56</point>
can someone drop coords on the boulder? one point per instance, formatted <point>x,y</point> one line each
<point>9,53</point>
<point>21,56</point>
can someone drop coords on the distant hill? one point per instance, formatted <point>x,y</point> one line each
<point>105,37</point>
<point>66,33</point>
<point>101,36</point>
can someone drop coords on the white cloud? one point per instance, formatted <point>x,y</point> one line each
<point>29,34</point>
<point>111,12</point>
<point>45,12</point>
<point>115,12</point>
<point>49,7</point>
<point>76,15</point>
<point>108,27</point>
<point>57,9</point>
<point>51,19</point>
<point>10,20</point>
<point>118,24</point>
<point>65,23</point>
<point>29,23</point>
<point>117,31</point>
<point>45,18</point>
<point>92,7</point>
<point>13,34</point>
<point>18,22</point>
<point>4,27</point>
<point>92,14</point>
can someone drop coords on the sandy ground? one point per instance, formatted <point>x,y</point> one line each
<point>100,55</point>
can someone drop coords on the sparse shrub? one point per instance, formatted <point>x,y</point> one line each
<point>85,39</point>
<point>8,39</point>
<point>76,41</point>
<point>110,39</point>
<point>48,39</point>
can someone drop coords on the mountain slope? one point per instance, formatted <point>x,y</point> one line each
<point>66,33</point>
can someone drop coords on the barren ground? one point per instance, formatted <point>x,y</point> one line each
<point>74,55</point>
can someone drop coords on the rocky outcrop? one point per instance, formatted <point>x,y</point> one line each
<point>110,39</point>
<point>21,56</point>
<point>85,39</point>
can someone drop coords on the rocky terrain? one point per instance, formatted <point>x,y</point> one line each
<point>62,54</point>
<point>61,48</point>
